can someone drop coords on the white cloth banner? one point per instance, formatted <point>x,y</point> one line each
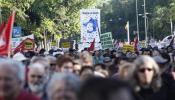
<point>90,27</point>
<point>17,41</point>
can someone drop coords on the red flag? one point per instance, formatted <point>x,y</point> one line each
<point>92,46</point>
<point>5,36</point>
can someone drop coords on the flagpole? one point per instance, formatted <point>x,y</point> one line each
<point>0,16</point>
<point>128,35</point>
<point>13,19</point>
<point>137,18</point>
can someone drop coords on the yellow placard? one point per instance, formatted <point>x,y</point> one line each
<point>28,44</point>
<point>128,48</point>
<point>66,45</point>
<point>53,43</point>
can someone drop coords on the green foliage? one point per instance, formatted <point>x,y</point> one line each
<point>116,13</point>
<point>56,17</point>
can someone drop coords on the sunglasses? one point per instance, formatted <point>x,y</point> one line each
<point>142,70</point>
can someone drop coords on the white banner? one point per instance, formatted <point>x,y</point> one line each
<point>17,41</point>
<point>90,27</point>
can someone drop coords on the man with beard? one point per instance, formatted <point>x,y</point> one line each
<point>12,78</point>
<point>36,80</point>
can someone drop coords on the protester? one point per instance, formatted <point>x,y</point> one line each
<point>161,62</point>
<point>12,79</point>
<point>65,64</point>
<point>97,58</point>
<point>107,61</point>
<point>52,63</point>
<point>105,89</point>
<point>37,80</point>
<point>101,70</point>
<point>63,86</point>
<point>123,71</point>
<point>86,73</point>
<point>77,67</point>
<point>146,80</point>
<point>86,59</point>
<point>20,57</point>
<point>45,63</point>
<point>41,52</point>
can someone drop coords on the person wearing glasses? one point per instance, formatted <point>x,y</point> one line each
<point>52,61</point>
<point>145,78</point>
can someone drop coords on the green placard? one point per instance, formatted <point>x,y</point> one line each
<point>106,40</point>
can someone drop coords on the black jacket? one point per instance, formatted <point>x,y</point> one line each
<point>149,94</point>
<point>166,92</point>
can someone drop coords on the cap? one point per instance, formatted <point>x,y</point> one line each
<point>19,57</point>
<point>107,59</point>
<point>160,59</point>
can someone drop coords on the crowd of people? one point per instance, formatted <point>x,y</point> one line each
<point>148,74</point>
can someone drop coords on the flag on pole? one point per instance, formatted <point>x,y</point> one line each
<point>92,46</point>
<point>5,36</point>
<point>127,29</point>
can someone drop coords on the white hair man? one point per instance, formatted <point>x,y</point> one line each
<point>45,64</point>
<point>12,78</point>
<point>37,80</point>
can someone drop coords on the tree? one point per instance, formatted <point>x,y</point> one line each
<point>57,17</point>
<point>116,13</point>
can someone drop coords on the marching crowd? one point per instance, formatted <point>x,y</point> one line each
<point>148,74</point>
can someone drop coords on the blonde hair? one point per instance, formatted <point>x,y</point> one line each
<point>125,66</point>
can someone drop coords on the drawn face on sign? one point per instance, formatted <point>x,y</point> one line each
<point>90,27</point>
<point>28,45</point>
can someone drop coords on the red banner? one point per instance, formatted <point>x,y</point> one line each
<point>27,44</point>
<point>5,36</point>
<point>92,46</point>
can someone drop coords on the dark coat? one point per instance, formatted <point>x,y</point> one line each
<point>166,92</point>
<point>149,94</point>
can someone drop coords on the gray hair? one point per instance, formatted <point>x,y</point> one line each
<point>70,78</point>
<point>132,77</point>
<point>50,58</point>
<point>37,65</point>
<point>41,60</point>
<point>17,66</point>
<point>38,59</point>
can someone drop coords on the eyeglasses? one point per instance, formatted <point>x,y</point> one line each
<point>68,67</point>
<point>142,70</point>
<point>37,76</point>
<point>52,64</point>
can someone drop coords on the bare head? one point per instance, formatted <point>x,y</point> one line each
<point>12,78</point>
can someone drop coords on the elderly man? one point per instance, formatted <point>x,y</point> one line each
<point>12,76</point>
<point>37,80</point>
<point>45,64</point>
